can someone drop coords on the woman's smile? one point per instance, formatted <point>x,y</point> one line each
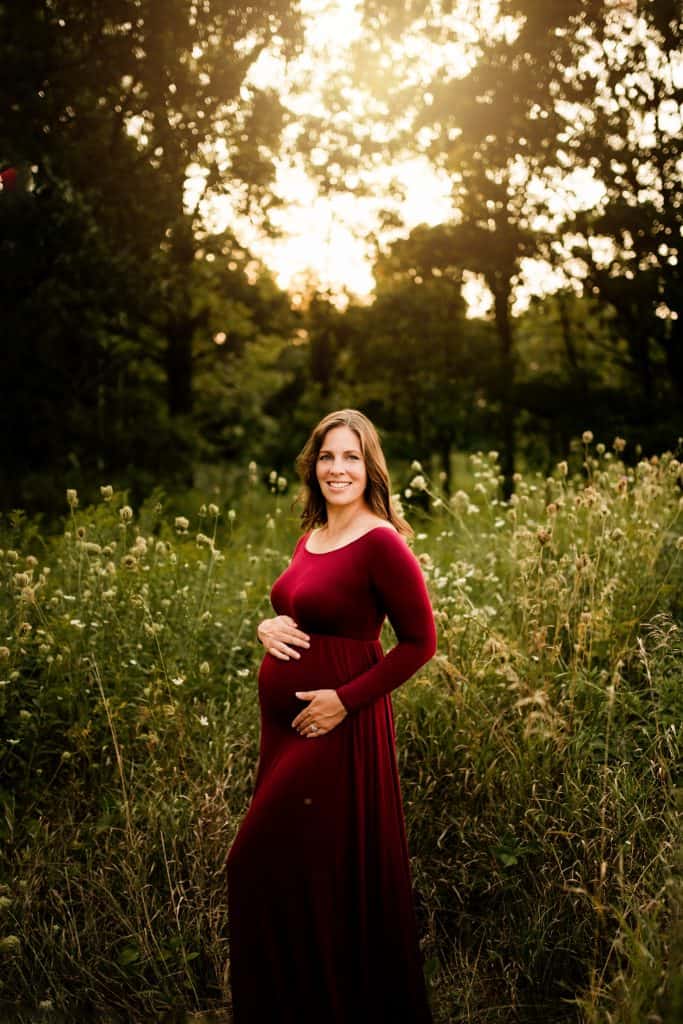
<point>340,467</point>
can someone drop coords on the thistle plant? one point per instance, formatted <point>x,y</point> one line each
<point>539,750</point>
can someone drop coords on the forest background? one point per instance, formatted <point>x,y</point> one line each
<point>158,380</point>
<point>140,345</point>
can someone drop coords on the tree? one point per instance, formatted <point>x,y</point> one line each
<point>510,104</point>
<point>416,364</point>
<point>111,105</point>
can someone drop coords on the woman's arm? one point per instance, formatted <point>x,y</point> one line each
<point>397,577</point>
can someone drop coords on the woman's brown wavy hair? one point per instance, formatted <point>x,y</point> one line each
<point>378,487</point>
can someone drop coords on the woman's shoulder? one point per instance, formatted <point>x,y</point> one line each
<point>385,537</point>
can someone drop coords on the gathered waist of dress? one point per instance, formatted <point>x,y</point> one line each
<point>330,661</point>
<point>316,637</point>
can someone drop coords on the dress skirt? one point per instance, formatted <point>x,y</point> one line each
<point>321,919</point>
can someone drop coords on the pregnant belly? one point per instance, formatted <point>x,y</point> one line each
<point>329,662</point>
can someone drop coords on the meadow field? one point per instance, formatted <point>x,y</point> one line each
<point>539,750</point>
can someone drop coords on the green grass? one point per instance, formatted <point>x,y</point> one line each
<point>539,750</point>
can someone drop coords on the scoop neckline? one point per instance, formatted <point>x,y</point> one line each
<point>348,543</point>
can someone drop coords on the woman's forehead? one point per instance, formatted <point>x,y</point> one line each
<point>341,438</point>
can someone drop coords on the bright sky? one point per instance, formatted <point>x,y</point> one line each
<point>324,238</point>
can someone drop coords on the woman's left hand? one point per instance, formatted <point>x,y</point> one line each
<point>322,714</point>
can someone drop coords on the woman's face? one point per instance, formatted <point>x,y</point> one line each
<point>340,468</point>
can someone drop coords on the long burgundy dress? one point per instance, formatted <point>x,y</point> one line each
<point>321,921</point>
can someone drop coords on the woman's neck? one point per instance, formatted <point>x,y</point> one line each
<point>342,520</point>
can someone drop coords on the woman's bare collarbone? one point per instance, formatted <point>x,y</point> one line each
<point>342,539</point>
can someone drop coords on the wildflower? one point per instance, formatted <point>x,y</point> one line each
<point>91,548</point>
<point>129,562</point>
<point>25,629</point>
<point>21,579</point>
<point>587,436</point>
<point>31,561</point>
<point>600,448</point>
<point>12,556</point>
<point>72,497</point>
<point>204,668</point>
<point>396,504</point>
<point>679,544</point>
<point>617,534</point>
<point>270,523</point>
<point>214,510</point>
<point>493,456</point>
<point>107,492</point>
<point>551,509</point>
<point>28,595</point>
<point>125,514</point>
<point>140,546</point>
<point>178,680</point>
<point>10,944</point>
<point>203,540</point>
<point>418,483</point>
<point>282,483</point>
<point>460,501</point>
<point>203,720</point>
<point>416,466</point>
<point>206,617</point>
<point>4,653</point>
<point>517,478</point>
<point>543,536</point>
<point>619,444</point>
<point>272,476</point>
<point>181,524</point>
<point>232,515</point>
<point>80,532</point>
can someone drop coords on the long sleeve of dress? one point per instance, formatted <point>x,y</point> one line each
<point>397,579</point>
<point>319,873</point>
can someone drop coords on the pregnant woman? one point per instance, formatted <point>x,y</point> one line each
<point>321,920</point>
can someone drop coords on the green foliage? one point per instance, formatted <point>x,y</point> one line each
<point>107,288</point>
<point>539,750</point>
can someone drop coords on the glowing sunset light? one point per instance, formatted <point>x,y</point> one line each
<point>329,240</point>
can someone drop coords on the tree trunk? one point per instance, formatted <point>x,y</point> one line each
<point>673,350</point>
<point>445,456</point>
<point>179,333</point>
<point>506,384</point>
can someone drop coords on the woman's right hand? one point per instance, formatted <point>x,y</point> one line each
<point>281,636</point>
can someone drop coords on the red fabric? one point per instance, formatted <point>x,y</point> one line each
<point>321,920</point>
